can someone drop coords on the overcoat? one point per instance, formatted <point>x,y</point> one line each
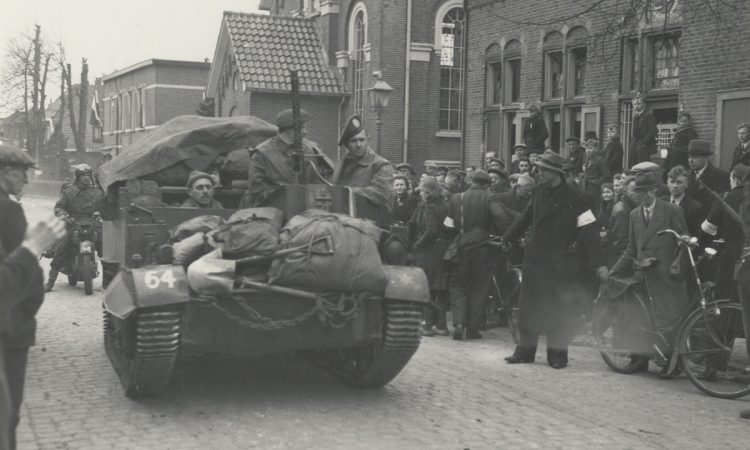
<point>79,202</point>
<point>561,220</point>
<point>430,240</point>
<point>741,155</point>
<point>713,177</point>
<point>595,172</point>
<point>643,139</point>
<point>666,278</point>
<point>370,177</point>
<point>677,155</point>
<point>613,154</point>
<point>618,230</point>
<point>535,133</point>
<point>404,207</point>
<point>692,211</point>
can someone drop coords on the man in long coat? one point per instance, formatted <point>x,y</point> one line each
<point>643,138</point>
<point>551,299</point>
<point>657,255</point>
<point>704,174</point>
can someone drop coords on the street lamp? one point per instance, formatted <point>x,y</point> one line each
<point>379,95</point>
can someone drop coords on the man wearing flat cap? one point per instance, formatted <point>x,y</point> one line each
<point>272,163</point>
<point>519,152</point>
<point>473,215</point>
<point>201,191</point>
<point>704,174</point>
<point>741,153</point>
<point>575,153</point>
<point>552,300</point>
<point>368,174</point>
<point>657,257</point>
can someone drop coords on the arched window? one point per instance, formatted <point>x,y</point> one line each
<point>452,44</point>
<point>357,47</point>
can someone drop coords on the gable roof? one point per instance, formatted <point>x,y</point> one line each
<point>266,47</point>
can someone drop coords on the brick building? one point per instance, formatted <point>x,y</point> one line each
<point>250,73</point>
<point>584,81</point>
<point>141,97</point>
<point>419,49</point>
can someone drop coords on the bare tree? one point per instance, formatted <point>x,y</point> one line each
<point>78,125</point>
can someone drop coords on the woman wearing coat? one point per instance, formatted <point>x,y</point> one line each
<point>678,147</point>
<point>429,244</point>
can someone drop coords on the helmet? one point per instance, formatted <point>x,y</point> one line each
<point>83,169</point>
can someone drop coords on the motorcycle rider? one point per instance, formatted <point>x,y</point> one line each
<point>79,200</point>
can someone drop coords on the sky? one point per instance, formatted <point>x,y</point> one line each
<point>116,34</point>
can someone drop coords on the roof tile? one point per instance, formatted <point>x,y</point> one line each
<point>266,47</point>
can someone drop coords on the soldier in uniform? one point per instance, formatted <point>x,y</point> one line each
<point>474,215</point>
<point>271,162</point>
<point>21,287</point>
<point>368,174</point>
<point>201,191</point>
<point>80,200</point>
<point>561,220</point>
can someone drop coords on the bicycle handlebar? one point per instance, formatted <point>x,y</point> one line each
<point>684,239</point>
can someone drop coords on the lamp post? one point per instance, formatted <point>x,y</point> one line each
<point>379,95</point>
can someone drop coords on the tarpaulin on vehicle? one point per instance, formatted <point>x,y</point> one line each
<point>194,141</point>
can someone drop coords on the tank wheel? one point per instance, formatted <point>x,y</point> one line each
<point>143,349</point>
<point>375,365</point>
<point>109,270</point>
<point>87,269</point>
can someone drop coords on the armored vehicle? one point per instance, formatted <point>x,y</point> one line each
<point>152,318</point>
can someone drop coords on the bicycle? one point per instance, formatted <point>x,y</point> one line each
<point>710,345</point>
<point>504,293</point>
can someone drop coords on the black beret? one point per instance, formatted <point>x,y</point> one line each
<point>353,127</point>
<point>285,119</point>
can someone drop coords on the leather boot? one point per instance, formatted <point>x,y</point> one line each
<point>50,281</point>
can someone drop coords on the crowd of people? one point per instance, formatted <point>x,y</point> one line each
<point>578,222</point>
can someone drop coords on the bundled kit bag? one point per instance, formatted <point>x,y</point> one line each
<point>352,263</point>
<point>189,239</point>
<point>249,232</point>
<point>198,224</point>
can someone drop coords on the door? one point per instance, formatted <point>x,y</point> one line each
<point>734,110</point>
<point>492,133</point>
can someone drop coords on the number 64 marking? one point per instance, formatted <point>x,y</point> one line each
<point>153,280</point>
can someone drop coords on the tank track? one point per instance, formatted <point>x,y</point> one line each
<point>379,363</point>
<point>143,349</point>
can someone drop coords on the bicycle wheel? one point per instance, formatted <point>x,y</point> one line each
<point>615,330</point>
<point>713,350</point>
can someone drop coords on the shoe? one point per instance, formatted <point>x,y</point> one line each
<point>636,365</point>
<point>668,376</point>
<point>458,333</point>
<point>518,357</point>
<point>557,364</point>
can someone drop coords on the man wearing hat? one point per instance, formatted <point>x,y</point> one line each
<point>657,257</point>
<point>575,152</point>
<point>201,191</point>
<point>741,153</point>
<point>474,215</point>
<point>18,323</point>
<point>496,163</point>
<point>644,131</point>
<point>704,174</point>
<point>498,181</point>
<point>519,152</point>
<point>651,167</point>
<point>368,174</point>
<point>272,162</point>
<point>551,298</point>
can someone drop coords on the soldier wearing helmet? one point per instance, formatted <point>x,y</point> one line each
<point>81,199</point>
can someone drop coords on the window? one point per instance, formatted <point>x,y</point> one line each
<point>452,69</point>
<point>578,71</point>
<point>553,76</point>
<point>666,62</point>
<point>358,69</point>
<point>631,65</point>
<point>513,80</point>
<point>141,108</point>
<point>494,83</point>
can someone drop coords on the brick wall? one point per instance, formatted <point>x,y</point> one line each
<point>322,127</point>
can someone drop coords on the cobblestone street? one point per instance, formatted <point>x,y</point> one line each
<point>452,395</point>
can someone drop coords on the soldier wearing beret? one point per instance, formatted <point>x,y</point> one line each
<point>560,220</point>
<point>368,174</point>
<point>21,290</point>
<point>473,215</point>
<point>271,162</point>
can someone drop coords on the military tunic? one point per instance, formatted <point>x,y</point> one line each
<point>370,177</point>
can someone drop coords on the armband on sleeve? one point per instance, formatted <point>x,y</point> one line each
<point>709,228</point>
<point>587,217</point>
<point>449,222</point>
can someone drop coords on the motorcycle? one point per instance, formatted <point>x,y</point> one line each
<point>84,234</point>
